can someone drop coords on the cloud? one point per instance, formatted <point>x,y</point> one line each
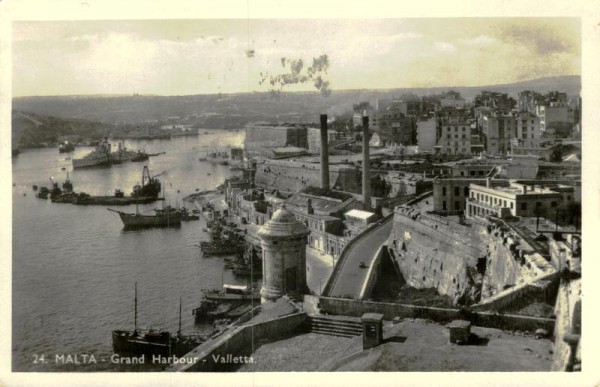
<point>444,47</point>
<point>403,36</point>
<point>481,40</point>
<point>544,40</point>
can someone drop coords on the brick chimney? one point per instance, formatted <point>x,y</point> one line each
<point>366,164</point>
<point>324,153</point>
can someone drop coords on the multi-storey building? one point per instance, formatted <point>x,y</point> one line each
<point>526,200</point>
<point>450,195</point>
<point>527,139</point>
<point>426,134</point>
<point>394,124</point>
<point>497,131</point>
<point>555,112</point>
<point>364,109</point>
<point>495,100</point>
<point>454,135</point>
<point>452,99</point>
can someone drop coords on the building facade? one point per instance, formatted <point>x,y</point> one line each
<point>517,199</point>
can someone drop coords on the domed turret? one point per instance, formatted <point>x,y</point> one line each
<point>283,240</point>
<point>283,224</point>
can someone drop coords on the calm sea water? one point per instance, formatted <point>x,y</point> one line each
<point>74,267</point>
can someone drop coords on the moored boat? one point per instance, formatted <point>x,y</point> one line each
<point>147,192</point>
<point>66,147</point>
<point>140,156</point>
<point>153,342</point>
<point>218,303</point>
<point>137,220</point>
<point>99,156</point>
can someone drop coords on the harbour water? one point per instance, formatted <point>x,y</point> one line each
<point>74,267</point>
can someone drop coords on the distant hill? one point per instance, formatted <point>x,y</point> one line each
<point>235,110</point>
<point>30,130</point>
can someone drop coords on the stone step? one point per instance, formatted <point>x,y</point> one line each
<point>338,325</point>
<point>334,332</point>
<point>336,322</point>
<point>336,319</point>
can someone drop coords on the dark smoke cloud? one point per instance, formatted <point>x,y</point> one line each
<point>299,74</point>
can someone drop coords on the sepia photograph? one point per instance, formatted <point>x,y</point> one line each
<point>321,194</point>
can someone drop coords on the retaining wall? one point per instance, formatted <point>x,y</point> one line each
<point>239,342</point>
<point>356,308</point>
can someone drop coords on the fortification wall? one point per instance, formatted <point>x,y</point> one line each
<point>510,262</point>
<point>356,308</point>
<point>292,176</point>
<point>259,138</point>
<point>240,341</point>
<point>567,332</point>
<point>469,264</point>
<point>432,253</point>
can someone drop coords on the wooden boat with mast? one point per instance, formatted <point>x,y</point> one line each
<point>167,217</point>
<point>160,219</point>
<point>153,342</point>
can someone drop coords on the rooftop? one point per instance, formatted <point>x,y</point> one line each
<point>364,215</point>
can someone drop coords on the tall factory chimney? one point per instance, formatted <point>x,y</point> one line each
<point>366,164</point>
<point>324,153</point>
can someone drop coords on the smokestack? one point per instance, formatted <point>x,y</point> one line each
<point>366,164</point>
<point>324,153</point>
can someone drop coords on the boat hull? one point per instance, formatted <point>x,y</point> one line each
<point>132,221</point>
<point>91,162</point>
<point>162,344</point>
<point>114,201</point>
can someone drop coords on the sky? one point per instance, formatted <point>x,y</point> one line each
<point>183,57</point>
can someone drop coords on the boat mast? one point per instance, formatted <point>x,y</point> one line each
<point>135,311</point>
<point>179,331</point>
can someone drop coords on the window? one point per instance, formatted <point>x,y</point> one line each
<point>444,192</point>
<point>554,204</point>
<point>456,191</point>
<point>524,206</point>
<point>511,205</point>
<point>444,205</point>
<point>505,204</point>
<point>466,191</point>
<point>462,173</point>
<point>456,205</point>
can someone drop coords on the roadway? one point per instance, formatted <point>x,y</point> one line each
<point>351,277</point>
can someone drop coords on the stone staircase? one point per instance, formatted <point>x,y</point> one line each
<point>335,325</point>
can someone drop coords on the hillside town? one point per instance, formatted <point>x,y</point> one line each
<point>463,213</point>
<point>241,197</point>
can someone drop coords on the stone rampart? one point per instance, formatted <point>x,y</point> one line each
<point>293,176</point>
<point>239,342</point>
<point>356,308</point>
